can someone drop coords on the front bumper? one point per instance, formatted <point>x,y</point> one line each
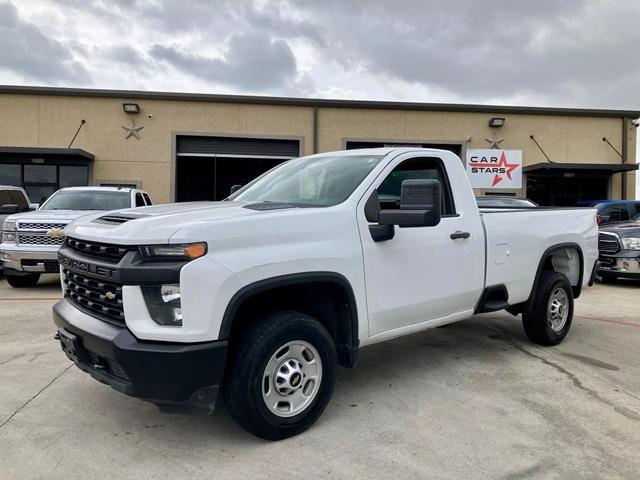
<point>168,374</point>
<point>625,264</point>
<point>31,260</point>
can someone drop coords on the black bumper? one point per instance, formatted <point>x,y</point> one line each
<point>625,263</point>
<point>168,374</point>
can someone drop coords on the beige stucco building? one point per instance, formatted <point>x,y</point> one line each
<point>194,146</point>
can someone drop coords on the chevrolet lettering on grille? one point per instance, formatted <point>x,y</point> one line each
<point>85,267</point>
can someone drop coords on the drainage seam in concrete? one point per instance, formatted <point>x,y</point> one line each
<point>34,397</point>
<point>628,413</point>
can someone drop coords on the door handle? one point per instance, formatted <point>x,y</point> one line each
<point>458,234</point>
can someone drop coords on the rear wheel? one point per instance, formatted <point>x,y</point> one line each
<point>548,320</point>
<point>22,281</point>
<point>281,375</point>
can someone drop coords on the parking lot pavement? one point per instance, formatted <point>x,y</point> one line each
<point>473,400</point>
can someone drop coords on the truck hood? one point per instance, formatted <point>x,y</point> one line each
<point>623,229</point>
<point>154,224</point>
<point>51,215</point>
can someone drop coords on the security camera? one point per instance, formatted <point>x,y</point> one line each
<point>150,116</point>
<point>636,123</point>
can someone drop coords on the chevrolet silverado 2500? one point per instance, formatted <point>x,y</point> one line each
<point>30,240</point>
<point>264,294</point>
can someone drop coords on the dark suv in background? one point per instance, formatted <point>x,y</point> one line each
<point>611,211</point>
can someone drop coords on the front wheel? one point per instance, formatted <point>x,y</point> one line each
<point>549,319</point>
<point>281,376</point>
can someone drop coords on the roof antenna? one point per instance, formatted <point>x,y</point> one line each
<point>82,122</point>
<point>543,152</point>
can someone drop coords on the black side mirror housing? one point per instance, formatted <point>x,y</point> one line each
<point>9,209</point>
<point>419,205</point>
<point>235,188</point>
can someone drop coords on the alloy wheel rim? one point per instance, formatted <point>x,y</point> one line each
<point>558,309</point>
<point>291,378</point>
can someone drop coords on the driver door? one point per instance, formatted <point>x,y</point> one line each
<point>422,274</point>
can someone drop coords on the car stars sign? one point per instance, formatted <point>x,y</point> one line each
<point>494,168</point>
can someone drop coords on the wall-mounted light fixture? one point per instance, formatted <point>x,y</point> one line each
<point>131,108</point>
<point>496,122</point>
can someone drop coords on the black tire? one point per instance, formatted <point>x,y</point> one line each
<point>22,281</point>
<point>536,322</point>
<point>607,277</point>
<point>243,388</point>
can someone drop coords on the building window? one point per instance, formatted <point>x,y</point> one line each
<point>40,181</point>
<point>10,175</point>
<point>73,176</point>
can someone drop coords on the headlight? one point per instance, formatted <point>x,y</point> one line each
<point>183,251</point>
<point>9,225</point>
<point>163,303</point>
<point>8,237</point>
<point>631,243</point>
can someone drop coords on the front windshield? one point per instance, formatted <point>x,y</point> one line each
<point>317,181</point>
<point>87,200</point>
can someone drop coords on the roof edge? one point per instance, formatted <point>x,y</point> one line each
<point>48,151</point>
<point>310,102</point>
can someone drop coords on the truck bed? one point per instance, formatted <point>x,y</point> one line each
<point>517,239</point>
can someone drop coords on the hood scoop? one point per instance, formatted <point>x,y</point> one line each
<point>117,219</point>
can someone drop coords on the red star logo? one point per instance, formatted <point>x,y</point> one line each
<point>509,166</point>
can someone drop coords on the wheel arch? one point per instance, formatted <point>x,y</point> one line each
<point>570,267</point>
<point>328,296</point>
<point>555,258</point>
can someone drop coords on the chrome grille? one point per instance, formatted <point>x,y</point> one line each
<point>103,299</point>
<point>98,250</point>
<point>42,239</point>
<point>40,226</point>
<point>608,243</point>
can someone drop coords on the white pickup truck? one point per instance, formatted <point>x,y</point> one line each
<point>264,294</point>
<point>31,239</point>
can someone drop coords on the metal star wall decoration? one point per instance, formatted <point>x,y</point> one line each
<point>494,143</point>
<point>132,131</point>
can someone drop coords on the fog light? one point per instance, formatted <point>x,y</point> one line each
<point>8,237</point>
<point>163,303</point>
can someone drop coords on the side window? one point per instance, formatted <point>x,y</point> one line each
<point>19,199</point>
<point>615,213</point>
<point>139,200</point>
<point>636,210</point>
<point>147,199</point>
<point>415,168</point>
<point>4,197</point>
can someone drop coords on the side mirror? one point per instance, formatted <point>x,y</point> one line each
<point>9,209</point>
<point>234,189</point>
<point>419,205</point>
<point>34,206</point>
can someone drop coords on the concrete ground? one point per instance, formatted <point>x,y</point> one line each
<point>473,400</point>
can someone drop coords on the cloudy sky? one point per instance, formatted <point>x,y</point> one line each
<point>544,52</point>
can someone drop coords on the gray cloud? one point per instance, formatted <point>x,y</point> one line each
<point>27,50</point>
<point>252,61</point>
<point>569,52</point>
<point>572,51</point>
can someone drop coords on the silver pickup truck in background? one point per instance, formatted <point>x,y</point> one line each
<point>31,239</point>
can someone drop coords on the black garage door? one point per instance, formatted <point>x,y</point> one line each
<point>207,167</point>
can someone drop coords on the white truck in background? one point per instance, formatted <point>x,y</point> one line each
<point>31,238</point>
<point>264,294</point>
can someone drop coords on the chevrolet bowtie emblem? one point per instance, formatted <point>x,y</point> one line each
<point>56,232</point>
<point>110,296</point>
